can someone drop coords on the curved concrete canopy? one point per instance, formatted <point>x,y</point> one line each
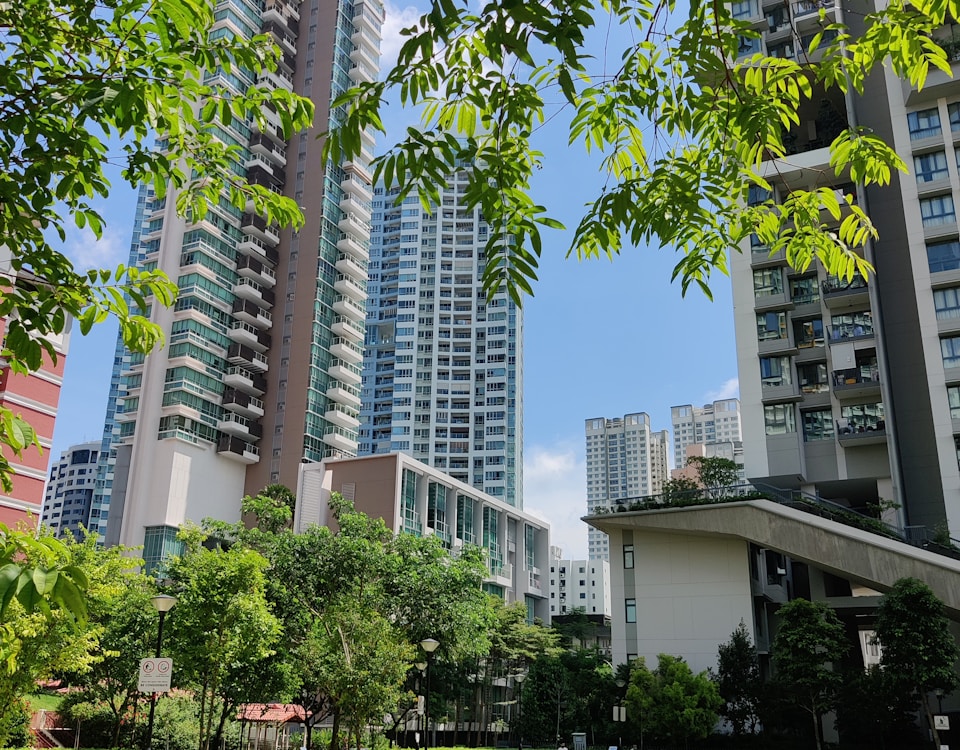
<point>860,556</point>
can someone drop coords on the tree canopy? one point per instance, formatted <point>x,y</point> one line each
<point>806,653</point>
<point>918,650</point>
<point>681,125</point>
<point>89,84</point>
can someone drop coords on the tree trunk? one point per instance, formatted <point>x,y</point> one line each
<point>335,731</point>
<point>930,721</point>
<point>816,729</point>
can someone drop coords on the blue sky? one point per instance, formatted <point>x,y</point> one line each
<point>601,338</point>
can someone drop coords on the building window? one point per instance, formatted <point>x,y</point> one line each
<point>937,211</point>
<point>953,397</point>
<point>767,282</point>
<point>775,371</point>
<point>813,377</point>
<point>950,349</point>
<point>943,256</point>
<point>805,290</point>
<point>749,45</point>
<point>743,9</point>
<point>954,113</point>
<point>923,124</point>
<point>851,325</point>
<point>947,302</point>
<point>862,418</point>
<point>771,325</point>
<point>930,167</point>
<point>631,609</point>
<point>817,425</point>
<point>779,419</point>
<point>808,333</point>
<point>628,557</point>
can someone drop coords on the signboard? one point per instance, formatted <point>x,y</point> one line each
<point>155,675</point>
<point>941,722</point>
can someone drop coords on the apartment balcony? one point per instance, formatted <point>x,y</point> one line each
<point>351,223</point>
<point>342,416</point>
<point>348,328</point>
<point>282,35</point>
<point>268,150</point>
<point>771,300</point>
<point>239,426</point>
<point>856,382</point>
<point>850,436</point>
<point>245,380</point>
<point>362,73</point>
<point>360,207</point>
<point>344,372</point>
<point>349,308</point>
<point>242,403</point>
<point>354,186</point>
<point>238,354</point>
<point>360,170</point>
<point>237,449</point>
<point>277,79</point>
<point>258,227</point>
<point>346,350</point>
<point>839,293</point>
<point>247,335</point>
<point>775,391</point>
<point>248,289</point>
<point>365,54</point>
<point>348,264</point>
<point>807,12</point>
<point>349,243</point>
<point>349,287</point>
<point>771,345</point>
<point>849,332</point>
<point>501,574</point>
<point>344,394</point>
<point>256,271</point>
<point>339,439</point>
<point>252,313</point>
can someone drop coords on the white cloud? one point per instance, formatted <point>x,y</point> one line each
<point>87,252</point>
<point>554,489</point>
<point>396,19</point>
<point>729,389</point>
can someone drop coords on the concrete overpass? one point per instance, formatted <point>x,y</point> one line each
<point>872,560</point>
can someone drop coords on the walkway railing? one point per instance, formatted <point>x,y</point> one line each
<point>918,536</point>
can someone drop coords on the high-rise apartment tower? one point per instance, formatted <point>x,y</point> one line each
<point>443,365</point>
<point>262,364</point>
<point>626,459</point>
<point>717,422</point>
<point>851,389</point>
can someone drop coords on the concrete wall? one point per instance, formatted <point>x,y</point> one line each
<point>691,592</point>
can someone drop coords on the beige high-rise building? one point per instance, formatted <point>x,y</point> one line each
<point>626,459</point>
<point>262,365</point>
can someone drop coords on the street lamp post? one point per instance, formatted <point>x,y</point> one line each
<point>519,678</point>
<point>421,668</point>
<point>429,645</point>
<point>163,604</point>
<point>620,712</point>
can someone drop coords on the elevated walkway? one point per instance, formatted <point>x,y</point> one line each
<point>870,559</point>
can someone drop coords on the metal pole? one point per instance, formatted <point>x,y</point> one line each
<point>426,706</point>
<point>153,696</point>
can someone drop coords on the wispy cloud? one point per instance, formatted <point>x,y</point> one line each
<point>729,389</point>
<point>554,489</point>
<point>86,251</point>
<point>396,19</point>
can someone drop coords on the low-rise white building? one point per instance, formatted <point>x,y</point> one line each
<point>582,585</point>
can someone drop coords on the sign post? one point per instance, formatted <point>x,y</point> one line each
<point>155,675</point>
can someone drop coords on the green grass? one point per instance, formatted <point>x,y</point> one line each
<point>43,701</point>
